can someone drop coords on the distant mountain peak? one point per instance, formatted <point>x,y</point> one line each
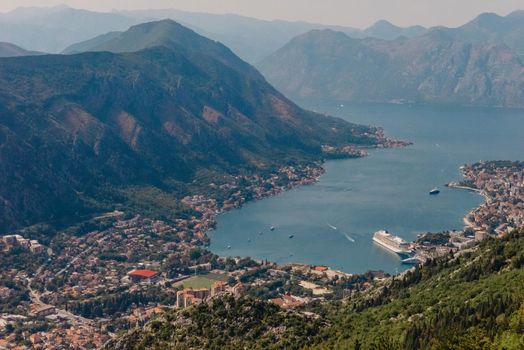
<point>61,7</point>
<point>322,34</point>
<point>166,22</point>
<point>519,14</point>
<point>318,38</point>
<point>383,24</point>
<point>12,50</point>
<point>165,32</point>
<point>488,19</point>
<point>386,30</point>
<point>325,32</point>
<point>31,11</point>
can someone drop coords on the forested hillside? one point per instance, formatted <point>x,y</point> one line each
<point>78,132</point>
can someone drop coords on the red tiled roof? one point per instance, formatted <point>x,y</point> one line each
<point>143,273</point>
<point>278,301</point>
<point>288,298</point>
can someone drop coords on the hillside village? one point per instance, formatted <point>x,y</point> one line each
<point>130,268</point>
<point>502,184</point>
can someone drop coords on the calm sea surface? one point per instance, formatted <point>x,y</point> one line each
<point>387,190</point>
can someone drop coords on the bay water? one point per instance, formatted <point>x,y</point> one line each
<point>333,221</point>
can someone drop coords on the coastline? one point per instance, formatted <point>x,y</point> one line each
<point>469,219</point>
<point>467,222</point>
<point>308,174</point>
<point>500,183</point>
<point>467,188</point>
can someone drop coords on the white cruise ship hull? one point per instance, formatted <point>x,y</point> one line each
<point>391,248</point>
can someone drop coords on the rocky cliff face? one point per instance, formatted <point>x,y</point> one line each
<point>432,68</point>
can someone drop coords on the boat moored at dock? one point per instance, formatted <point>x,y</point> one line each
<point>392,243</point>
<point>411,261</point>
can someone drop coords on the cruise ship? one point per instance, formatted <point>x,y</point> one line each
<point>392,242</point>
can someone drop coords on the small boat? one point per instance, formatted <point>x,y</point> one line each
<point>272,228</point>
<point>228,247</point>
<point>291,236</point>
<point>434,191</point>
<point>332,227</point>
<point>411,261</point>
<point>349,238</point>
<point>260,233</point>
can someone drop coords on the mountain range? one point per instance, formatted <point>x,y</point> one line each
<point>492,28</point>
<point>388,31</point>
<point>55,29</point>
<point>77,131</point>
<point>478,64</point>
<point>254,39</point>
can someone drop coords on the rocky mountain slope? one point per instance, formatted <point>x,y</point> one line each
<point>435,68</point>
<point>490,27</point>
<point>76,131</point>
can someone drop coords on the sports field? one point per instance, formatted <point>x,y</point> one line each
<point>203,281</point>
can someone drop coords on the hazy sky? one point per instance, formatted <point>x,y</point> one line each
<point>358,13</point>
